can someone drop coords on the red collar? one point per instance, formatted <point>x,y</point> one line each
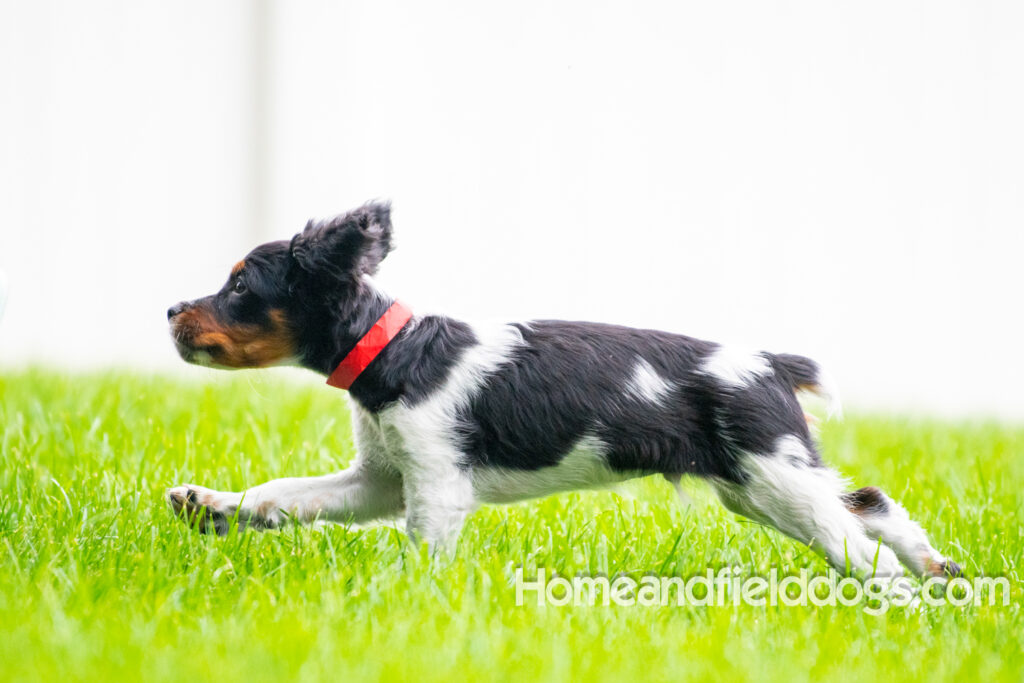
<point>372,343</point>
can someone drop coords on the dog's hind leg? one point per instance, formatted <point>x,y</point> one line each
<point>886,520</point>
<point>788,490</point>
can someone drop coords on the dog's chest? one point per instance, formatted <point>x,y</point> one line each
<point>404,438</point>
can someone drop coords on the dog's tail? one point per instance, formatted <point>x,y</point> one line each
<point>806,375</point>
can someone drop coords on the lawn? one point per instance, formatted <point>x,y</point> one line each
<point>99,581</point>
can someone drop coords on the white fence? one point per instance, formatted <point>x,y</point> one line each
<point>838,181</point>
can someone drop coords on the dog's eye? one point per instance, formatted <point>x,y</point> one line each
<point>239,287</point>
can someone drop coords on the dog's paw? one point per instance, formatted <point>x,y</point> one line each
<point>207,510</point>
<point>946,569</point>
<point>951,569</point>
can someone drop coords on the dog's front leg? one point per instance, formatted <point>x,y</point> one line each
<point>437,503</point>
<point>361,493</point>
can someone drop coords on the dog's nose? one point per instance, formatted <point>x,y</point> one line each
<point>177,308</point>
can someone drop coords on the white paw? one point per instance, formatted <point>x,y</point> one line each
<point>207,510</point>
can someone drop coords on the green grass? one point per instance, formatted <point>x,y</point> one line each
<point>98,580</point>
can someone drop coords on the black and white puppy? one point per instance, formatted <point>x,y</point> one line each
<point>448,415</point>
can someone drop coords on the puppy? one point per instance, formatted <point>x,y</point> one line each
<point>447,415</point>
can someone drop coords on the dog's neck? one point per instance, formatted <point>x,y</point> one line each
<point>333,331</point>
<point>410,366</point>
<point>370,345</point>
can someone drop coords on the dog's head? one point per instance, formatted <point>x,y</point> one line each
<point>275,295</point>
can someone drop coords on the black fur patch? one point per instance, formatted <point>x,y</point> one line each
<point>800,371</point>
<point>570,381</point>
<point>414,364</point>
<point>867,501</point>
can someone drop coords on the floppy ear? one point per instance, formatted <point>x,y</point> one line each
<point>346,247</point>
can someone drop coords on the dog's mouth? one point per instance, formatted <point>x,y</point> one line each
<point>198,356</point>
<point>184,336</point>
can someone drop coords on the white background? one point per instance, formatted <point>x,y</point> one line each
<point>844,180</point>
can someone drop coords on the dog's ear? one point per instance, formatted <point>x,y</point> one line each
<point>346,247</point>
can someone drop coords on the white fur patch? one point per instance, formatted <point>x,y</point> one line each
<point>736,367</point>
<point>585,466</point>
<point>905,536</point>
<point>805,503</point>
<point>790,448</point>
<point>422,440</point>
<point>646,384</point>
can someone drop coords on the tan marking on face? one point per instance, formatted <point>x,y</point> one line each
<point>237,268</point>
<point>237,345</point>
